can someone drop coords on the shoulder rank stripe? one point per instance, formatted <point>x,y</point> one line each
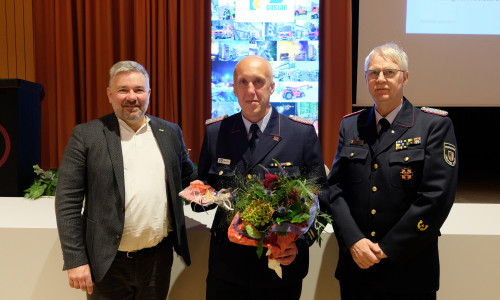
<point>353,113</point>
<point>301,120</point>
<point>435,111</point>
<point>213,120</point>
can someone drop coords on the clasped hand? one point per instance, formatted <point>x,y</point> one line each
<point>288,256</point>
<point>366,253</point>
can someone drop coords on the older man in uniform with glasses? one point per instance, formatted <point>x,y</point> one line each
<point>392,186</point>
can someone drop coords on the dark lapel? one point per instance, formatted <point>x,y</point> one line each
<point>403,121</point>
<point>163,135</point>
<point>267,141</point>
<point>232,140</point>
<point>366,126</point>
<point>112,133</point>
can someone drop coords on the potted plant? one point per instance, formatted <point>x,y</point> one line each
<point>44,184</point>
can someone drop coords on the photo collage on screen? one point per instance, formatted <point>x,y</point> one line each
<point>285,32</point>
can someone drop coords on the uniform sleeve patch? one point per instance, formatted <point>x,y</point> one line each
<point>354,113</point>
<point>434,111</point>
<point>450,154</point>
<point>422,226</point>
<point>214,120</point>
<point>301,120</point>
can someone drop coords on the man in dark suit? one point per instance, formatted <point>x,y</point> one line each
<point>235,271</point>
<point>392,185</point>
<point>126,170</point>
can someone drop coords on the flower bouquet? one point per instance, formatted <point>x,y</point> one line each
<point>271,213</point>
<point>274,213</point>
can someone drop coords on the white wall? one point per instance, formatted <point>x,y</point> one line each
<point>31,258</point>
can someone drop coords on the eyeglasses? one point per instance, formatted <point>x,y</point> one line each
<point>388,73</point>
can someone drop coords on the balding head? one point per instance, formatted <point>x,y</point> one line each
<point>254,62</point>
<point>253,86</point>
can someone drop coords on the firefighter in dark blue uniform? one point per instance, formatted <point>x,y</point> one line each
<point>235,271</point>
<point>392,186</point>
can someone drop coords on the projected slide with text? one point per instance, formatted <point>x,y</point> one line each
<point>453,16</point>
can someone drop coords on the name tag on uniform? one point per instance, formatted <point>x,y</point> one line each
<point>224,161</point>
<point>356,142</point>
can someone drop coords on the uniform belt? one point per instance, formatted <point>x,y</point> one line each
<point>145,251</point>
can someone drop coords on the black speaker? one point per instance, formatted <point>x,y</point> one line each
<point>20,123</point>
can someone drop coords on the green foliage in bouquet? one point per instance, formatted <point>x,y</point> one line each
<point>43,185</point>
<point>276,199</point>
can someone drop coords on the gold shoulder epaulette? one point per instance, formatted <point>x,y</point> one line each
<point>435,111</point>
<point>301,120</point>
<point>214,120</point>
<point>353,113</point>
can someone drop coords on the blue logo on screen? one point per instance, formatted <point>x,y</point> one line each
<point>255,4</point>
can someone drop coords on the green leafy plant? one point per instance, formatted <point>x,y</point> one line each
<point>44,184</point>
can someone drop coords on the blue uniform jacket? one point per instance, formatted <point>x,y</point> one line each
<point>283,139</point>
<point>396,192</point>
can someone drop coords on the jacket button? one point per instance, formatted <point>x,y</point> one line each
<point>373,233</point>
<point>221,172</point>
<point>375,166</point>
<point>117,236</point>
<point>407,159</point>
<point>374,211</point>
<point>351,155</point>
<point>374,188</point>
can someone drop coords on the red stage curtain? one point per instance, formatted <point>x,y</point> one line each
<point>335,93</point>
<point>76,42</point>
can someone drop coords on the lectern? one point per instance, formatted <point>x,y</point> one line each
<point>20,123</point>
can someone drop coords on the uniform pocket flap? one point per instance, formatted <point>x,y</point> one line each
<point>354,153</point>
<point>407,156</point>
<point>222,170</point>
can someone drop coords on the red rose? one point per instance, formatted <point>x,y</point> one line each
<point>270,181</point>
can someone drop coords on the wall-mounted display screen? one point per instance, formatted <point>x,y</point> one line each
<point>285,32</point>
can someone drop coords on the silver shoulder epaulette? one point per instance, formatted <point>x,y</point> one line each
<point>214,120</point>
<point>435,111</point>
<point>301,120</point>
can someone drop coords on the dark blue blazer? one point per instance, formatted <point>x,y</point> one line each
<point>396,192</point>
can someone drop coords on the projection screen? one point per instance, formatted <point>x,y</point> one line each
<point>453,48</point>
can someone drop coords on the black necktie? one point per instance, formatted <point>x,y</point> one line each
<point>255,138</point>
<point>384,125</point>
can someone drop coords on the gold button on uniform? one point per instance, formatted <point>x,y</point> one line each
<point>351,155</point>
<point>375,166</point>
<point>221,172</point>
<point>374,188</point>
<point>373,233</point>
<point>374,211</point>
<point>407,158</point>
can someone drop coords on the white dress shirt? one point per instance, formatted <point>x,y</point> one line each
<point>146,206</point>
